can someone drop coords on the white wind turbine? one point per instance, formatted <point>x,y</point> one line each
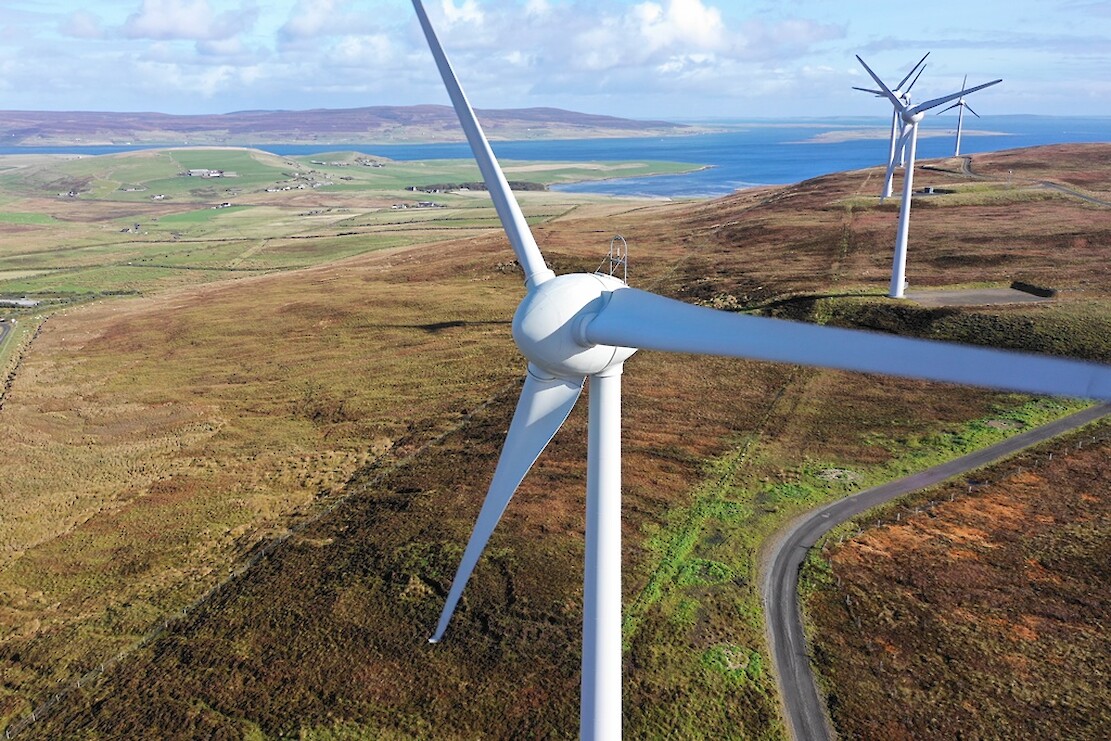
<point>579,326</point>
<point>911,116</point>
<point>903,94</point>
<point>961,104</point>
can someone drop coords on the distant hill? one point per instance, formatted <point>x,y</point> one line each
<point>378,124</point>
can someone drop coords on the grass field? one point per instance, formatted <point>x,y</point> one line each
<point>144,209</point>
<point>335,427</point>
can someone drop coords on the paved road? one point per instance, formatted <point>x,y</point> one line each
<point>805,711</point>
<point>5,327</point>
<point>1075,193</point>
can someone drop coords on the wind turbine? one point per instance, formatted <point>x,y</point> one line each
<point>586,325</point>
<point>961,105</point>
<point>903,95</point>
<point>911,116</point>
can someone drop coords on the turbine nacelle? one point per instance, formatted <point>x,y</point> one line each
<point>911,116</point>
<point>580,326</point>
<point>550,326</point>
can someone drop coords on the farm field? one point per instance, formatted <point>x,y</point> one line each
<point>74,228</point>
<point>325,435</point>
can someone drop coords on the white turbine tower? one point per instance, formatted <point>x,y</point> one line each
<point>911,116</point>
<point>903,94</point>
<point>961,104</point>
<point>579,326</point>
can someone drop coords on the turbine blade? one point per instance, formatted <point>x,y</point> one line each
<point>917,76</point>
<point>634,318</point>
<point>946,98</point>
<point>968,108</point>
<point>912,69</point>
<point>866,90</point>
<point>542,409</point>
<point>883,88</point>
<point>946,110</point>
<point>509,211</point>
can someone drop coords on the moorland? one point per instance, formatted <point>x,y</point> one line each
<point>976,609</point>
<point>245,445</point>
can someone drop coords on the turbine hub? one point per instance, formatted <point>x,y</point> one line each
<point>549,325</point>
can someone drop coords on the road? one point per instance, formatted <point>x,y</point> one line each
<point>804,710</point>
<point>1075,193</point>
<point>966,170</point>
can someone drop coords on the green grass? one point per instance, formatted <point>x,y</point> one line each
<point>983,594</point>
<point>26,218</point>
<point>716,539</point>
<point>13,338</point>
<point>201,216</point>
<point>110,279</point>
<point>87,245</point>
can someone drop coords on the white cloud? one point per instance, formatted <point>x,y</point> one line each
<point>649,58</point>
<point>168,78</point>
<point>366,52</point>
<point>669,38</point>
<point>646,34</point>
<point>224,48</point>
<point>537,8</point>
<point>81,24</point>
<point>311,19</point>
<point>192,20</point>
<point>684,22</point>
<point>467,12</point>
<point>791,37</point>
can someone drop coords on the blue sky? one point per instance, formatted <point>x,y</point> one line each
<point>669,59</point>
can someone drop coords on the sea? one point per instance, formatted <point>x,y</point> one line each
<point>737,154</point>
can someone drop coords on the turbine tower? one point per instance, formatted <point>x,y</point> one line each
<point>961,105</point>
<point>583,326</point>
<point>911,116</point>
<point>902,94</point>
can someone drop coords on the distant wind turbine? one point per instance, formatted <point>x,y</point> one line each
<point>903,94</point>
<point>961,104</point>
<point>583,326</point>
<point>911,116</point>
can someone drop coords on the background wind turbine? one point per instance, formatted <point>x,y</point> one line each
<point>586,325</point>
<point>911,116</point>
<point>961,105</point>
<point>902,94</point>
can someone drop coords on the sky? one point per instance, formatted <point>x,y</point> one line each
<point>676,60</point>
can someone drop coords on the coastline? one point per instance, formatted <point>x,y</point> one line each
<point>741,154</point>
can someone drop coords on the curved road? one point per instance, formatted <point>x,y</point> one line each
<point>966,170</point>
<point>804,710</point>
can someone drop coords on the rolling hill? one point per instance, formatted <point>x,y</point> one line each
<point>378,124</point>
<point>302,455</point>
